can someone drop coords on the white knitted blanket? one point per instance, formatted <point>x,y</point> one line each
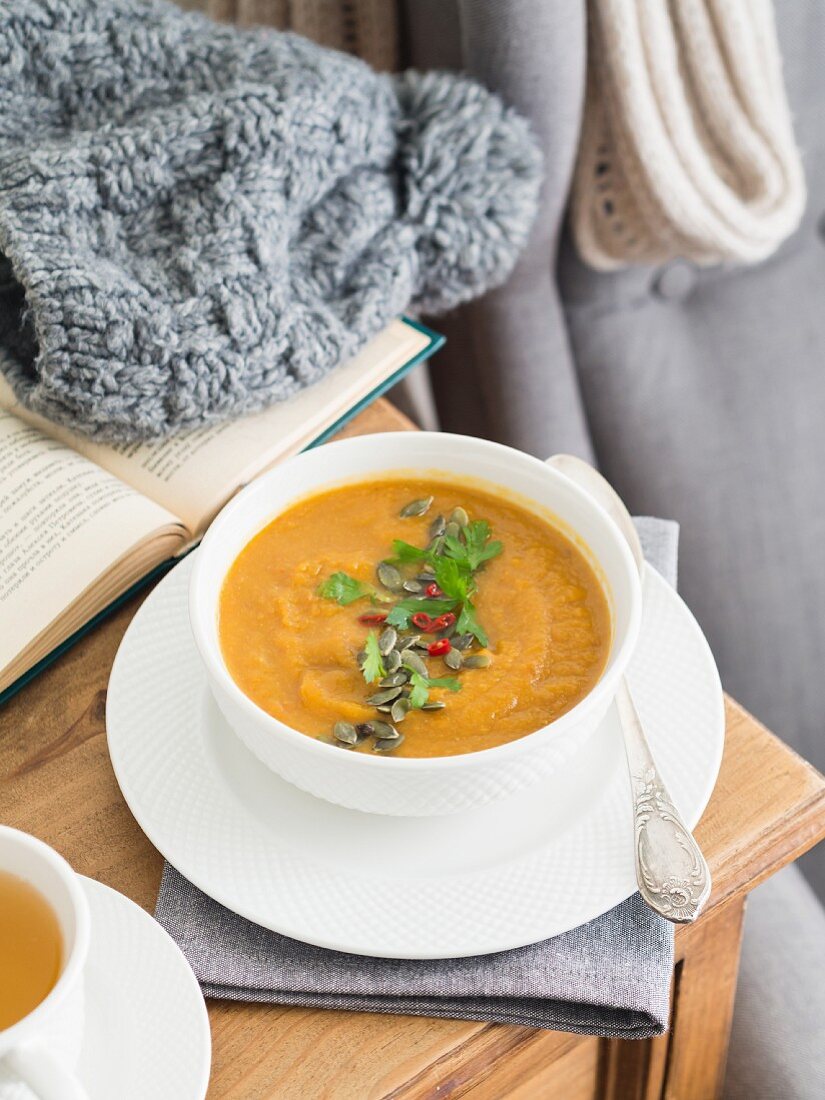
<point>687,145</point>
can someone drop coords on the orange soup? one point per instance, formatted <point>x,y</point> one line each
<point>413,618</point>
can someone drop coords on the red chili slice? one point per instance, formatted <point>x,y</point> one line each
<point>439,648</point>
<point>442,622</point>
<point>423,621</point>
<point>433,590</point>
<point>372,617</point>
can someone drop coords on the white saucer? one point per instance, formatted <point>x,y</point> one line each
<point>147,1032</point>
<point>485,880</point>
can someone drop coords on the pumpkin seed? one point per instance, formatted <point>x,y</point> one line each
<point>451,531</point>
<point>462,641</point>
<point>436,545</point>
<point>434,705</point>
<point>392,661</point>
<point>460,517</point>
<point>386,640</point>
<point>428,569</point>
<point>364,730</point>
<point>385,732</point>
<point>437,527</point>
<point>416,508</point>
<point>412,660</point>
<point>385,696</point>
<point>412,586</point>
<point>399,710</point>
<point>361,656</point>
<point>385,745</point>
<point>389,576</point>
<point>395,679</point>
<point>453,659</point>
<point>477,660</point>
<point>411,641</point>
<point>345,733</point>
<point>385,708</point>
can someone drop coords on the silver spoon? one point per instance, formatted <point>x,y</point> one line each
<point>671,871</point>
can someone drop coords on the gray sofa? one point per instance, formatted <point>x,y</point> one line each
<point>701,394</point>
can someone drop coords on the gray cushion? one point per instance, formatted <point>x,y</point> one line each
<point>777,1050</point>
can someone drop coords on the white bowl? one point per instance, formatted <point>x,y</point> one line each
<point>415,786</point>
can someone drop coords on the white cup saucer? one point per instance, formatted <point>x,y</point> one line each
<point>146,1032</point>
<point>486,879</point>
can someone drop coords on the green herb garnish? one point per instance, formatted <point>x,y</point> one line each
<point>420,693</point>
<point>453,580</point>
<point>404,610</point>
<point>372,664</point>
<point>476,548</point>
<point>406,552</point>
<point>421,685</point>
<point>440,622</point>
<point>344,589</point>
<point>469,624</point>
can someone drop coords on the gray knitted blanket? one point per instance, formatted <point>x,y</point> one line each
<point>198,220</point>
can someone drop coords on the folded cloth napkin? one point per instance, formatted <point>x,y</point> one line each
<point>197,220</point>
<point>608,977</point>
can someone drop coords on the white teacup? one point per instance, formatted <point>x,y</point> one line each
<point>41,1050</point>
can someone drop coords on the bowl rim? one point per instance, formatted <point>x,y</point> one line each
<point>217,671</point>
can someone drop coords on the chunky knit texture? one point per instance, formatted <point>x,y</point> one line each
<point>197,220</point>
<point>687,146</point>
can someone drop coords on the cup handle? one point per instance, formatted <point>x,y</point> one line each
<point>44,1074</point>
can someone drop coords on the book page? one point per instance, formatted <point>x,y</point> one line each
<point>63,523</point>
<point>193,474</point>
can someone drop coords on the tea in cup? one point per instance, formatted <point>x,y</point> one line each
<point>44,939</point>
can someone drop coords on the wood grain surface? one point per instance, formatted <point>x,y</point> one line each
<point>768,807</point>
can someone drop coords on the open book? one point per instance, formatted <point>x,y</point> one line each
<point>82,522</point>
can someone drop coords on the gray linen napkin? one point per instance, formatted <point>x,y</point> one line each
<point>608,977</point>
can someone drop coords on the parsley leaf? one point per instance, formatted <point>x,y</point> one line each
<point>469,624</point>
<point>405,551</point>
<point>402,613</point>
<point>344,589</point>
<point>372,665</point>
<point>476,548</point>
<point>451,683</point>
<point>455,548</point>
<point>452,579</point>
<point>420,693</point>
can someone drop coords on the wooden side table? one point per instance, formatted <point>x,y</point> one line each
<point>768,808</point>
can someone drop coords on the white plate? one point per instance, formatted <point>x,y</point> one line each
<point>146,1032</point>
<point>488,879</point>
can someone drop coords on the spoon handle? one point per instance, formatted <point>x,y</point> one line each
<point>671,871</point>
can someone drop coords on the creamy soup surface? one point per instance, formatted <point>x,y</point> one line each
<point>295,653</point>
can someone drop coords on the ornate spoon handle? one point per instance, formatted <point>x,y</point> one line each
<point>671,871</point>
